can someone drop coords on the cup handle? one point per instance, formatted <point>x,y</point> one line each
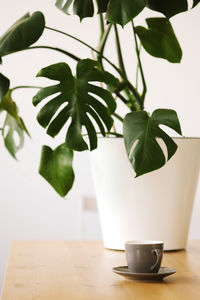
<point>158,257</point>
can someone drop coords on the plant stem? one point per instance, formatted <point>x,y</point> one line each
<point>118,117</point>
<point>119,51</point>
<point>137,70</point>
<point>102,28</point>
<point>25,87</point>
<point>102,44</point>
<point>56,49</point>
<point>140,64</point>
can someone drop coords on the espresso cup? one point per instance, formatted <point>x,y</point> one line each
<point>144,256</point>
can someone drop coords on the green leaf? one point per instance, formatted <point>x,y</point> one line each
<point>169,8</point>
<point>64,5</point>
<point>4,85</point>
<point>14,123</point>
<point>82,8</point>
<point>195,2</point>
<point>14,126</point>
<point>123,11</point>
<point>140,133</point>
<point>159,39</point>
<point>56,168</point>
<point>81,99</point>
<point>23,33</point>
<point>102,5</point>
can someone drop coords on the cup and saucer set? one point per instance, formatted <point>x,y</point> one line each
<point>144,261</point>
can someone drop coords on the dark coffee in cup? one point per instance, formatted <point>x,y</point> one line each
<point>144,256</point>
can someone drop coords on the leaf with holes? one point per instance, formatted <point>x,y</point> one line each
<point>23,33</point>
<point>14,127</point>
<point>123,11</point>
<point>82,8</point>
<point>56,168</point>
<point>140,133</point>
<point>4,85</point>
<point>169,8</point>
<point>81,99</point>
<point>13,124</point>
<point>159,39</point>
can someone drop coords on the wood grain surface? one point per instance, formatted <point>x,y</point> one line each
<point>80,270</point>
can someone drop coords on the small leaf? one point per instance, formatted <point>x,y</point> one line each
<point>123,11</point>
<point>159,39</point>
<point>23,33</point>
<point>14,123</point>
<point>169,8</point>
<point>13,127</point>
<point>81,99</point>
<point>64,5</point>
<point>83,8</point>
<point>140,133</point>
<point>56,168</point>
<point>4,85</point>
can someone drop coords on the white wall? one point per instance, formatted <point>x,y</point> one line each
<point>29,207</point>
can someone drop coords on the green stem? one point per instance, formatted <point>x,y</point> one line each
<point>102,28</point>
<point>119,51</point>
<point>118,117</point>
<point>102,44</point>
<point>121,97</point>
<point>137,70</point>
<point>140,64</point>
<point>25,87</point>
<point>56,49</point>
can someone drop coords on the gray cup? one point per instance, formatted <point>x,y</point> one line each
<point>144,256</point>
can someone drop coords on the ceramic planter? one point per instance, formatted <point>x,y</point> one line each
<point>155,206</point>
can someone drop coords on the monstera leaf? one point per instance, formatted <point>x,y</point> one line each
<point>14,124</point>
<point>118,11</point>
<point>159,39</point>
<point>82,8</point>
<point>123,11</point>
<point>23,33</point>
<point>81,99</point>
<point>56,168</point>
<point>169,8</point>
<point>140,133</point>
<point>4,86</point>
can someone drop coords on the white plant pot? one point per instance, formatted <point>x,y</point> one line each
<point>154,206</point>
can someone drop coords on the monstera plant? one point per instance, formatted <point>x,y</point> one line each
<point>89,98</point>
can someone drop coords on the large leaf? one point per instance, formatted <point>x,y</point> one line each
<point>13,125</point>
<point>123,11</point>
<point>159,39</point>
<point>56,168</point>
<point>4,85</point>
<point>23,33</point>
<point>169,8</point>
<point>81,99</point>
<point>140,133</point>
<point>82,8</point>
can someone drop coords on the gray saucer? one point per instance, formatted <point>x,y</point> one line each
<point>163,272</point>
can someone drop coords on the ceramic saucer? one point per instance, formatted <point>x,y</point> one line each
<point>163,272</point>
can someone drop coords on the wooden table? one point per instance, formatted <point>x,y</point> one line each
<point>78,270</point>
